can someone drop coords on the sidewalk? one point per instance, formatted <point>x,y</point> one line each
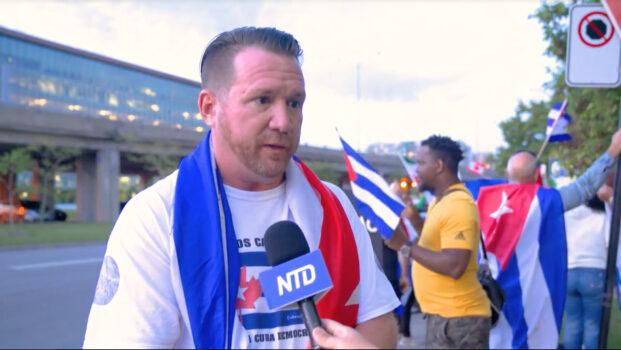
<point>418,329</point>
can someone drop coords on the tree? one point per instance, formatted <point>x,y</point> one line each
<point>51,161</point>
<point>11,163</point>
<point>156,165</point>
<point>595,112</point>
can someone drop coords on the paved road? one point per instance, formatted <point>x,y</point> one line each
<point>45,295</point>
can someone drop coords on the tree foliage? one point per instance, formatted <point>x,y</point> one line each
<point>50,161</point>
<point>595,112</point>
<point>156,165</point>
<point>11,163</point>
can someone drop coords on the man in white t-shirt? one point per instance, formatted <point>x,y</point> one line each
<point>252,97</point>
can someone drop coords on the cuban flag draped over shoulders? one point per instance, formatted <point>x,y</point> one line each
<point>474,186</point>
<point>374,199</point>
<point>524,232</point>
<point>558,132</point>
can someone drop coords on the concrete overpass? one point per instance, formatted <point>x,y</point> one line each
<point>102,141</point>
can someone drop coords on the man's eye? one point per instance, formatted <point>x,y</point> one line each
<point>295,104</point>
<point>263,100</point>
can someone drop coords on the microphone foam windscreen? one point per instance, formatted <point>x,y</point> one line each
<point>284,241</point>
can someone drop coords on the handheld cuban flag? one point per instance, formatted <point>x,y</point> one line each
<point>558,120</point>
<point>477,168</point>
<point>374,199</point>
<point>524,232</point>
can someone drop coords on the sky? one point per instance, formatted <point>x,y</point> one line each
<point>379,71</point>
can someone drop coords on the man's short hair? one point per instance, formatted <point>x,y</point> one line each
<point>217,62</point>
<point>446,149</point>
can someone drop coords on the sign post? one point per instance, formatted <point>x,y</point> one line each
<point>594,60</point>
<point>597,30</point>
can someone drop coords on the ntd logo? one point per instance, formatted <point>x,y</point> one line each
<point>306,274</point>
<point>295,280</point>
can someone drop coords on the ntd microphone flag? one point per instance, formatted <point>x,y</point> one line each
<point>559,133</point>
<point>524,232</point>
<point>295,280</point>
<point>374,199</point>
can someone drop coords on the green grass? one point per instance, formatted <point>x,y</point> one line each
<point>52,233</point>
<point>614,332</point>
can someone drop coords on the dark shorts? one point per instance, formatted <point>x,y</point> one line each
<point>457,332</point>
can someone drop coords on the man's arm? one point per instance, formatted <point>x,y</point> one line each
<point>587,184</point>
<point>381,331</point>
<point>449,262</point>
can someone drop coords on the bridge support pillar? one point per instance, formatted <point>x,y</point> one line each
<point>85,187</point>
<point>98,186</point>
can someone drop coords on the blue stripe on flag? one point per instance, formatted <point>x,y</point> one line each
<point>367,212</point>
<point>352,153</point>
<point>559,138</point>
<point>366,184</point>
<point>272,319</point>
<point>553,249</point>
<point>253,259</point>
<point>474,186</point>
<point>513,309</point>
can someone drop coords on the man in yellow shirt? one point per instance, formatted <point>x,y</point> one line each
<point>445,266</point>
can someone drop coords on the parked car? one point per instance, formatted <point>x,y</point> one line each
<point>32,212</point>
<point>7,211</point>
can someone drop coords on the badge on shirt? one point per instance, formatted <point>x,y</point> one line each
<point>108,282</point>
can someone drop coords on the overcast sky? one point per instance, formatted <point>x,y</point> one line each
<point>457,68</point>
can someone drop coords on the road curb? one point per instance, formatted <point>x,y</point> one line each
<point>50,245</point>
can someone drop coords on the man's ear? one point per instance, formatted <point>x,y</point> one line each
<point>440,166</point>
<point>207,101</point>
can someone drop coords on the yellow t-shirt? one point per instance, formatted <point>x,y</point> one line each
<point>451,223</point>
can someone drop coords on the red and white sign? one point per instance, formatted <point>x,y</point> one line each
<point>593,48</point>
<point>595,29</point>
<point>613,7</point>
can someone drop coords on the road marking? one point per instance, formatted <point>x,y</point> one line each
<point>55,264</point>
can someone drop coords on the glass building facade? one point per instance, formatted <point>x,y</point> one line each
<point>41,75</point>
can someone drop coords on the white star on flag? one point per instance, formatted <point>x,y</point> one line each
<point>503,209</point>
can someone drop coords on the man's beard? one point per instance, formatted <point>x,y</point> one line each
<point>248,153</point>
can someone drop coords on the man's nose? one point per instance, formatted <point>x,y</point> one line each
<point>282,118</point>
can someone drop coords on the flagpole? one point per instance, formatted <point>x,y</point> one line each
<point>546,141</point>
<point>358,102</point>
<point>613,244</point>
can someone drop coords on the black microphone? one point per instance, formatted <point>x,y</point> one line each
<point>284,241</point>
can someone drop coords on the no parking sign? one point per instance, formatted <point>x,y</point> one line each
<point>593,48</point>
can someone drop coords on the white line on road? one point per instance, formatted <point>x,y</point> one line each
<point>56,263</point>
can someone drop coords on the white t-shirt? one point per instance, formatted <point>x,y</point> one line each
<point>586,238</point>
<point>139,301</point>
